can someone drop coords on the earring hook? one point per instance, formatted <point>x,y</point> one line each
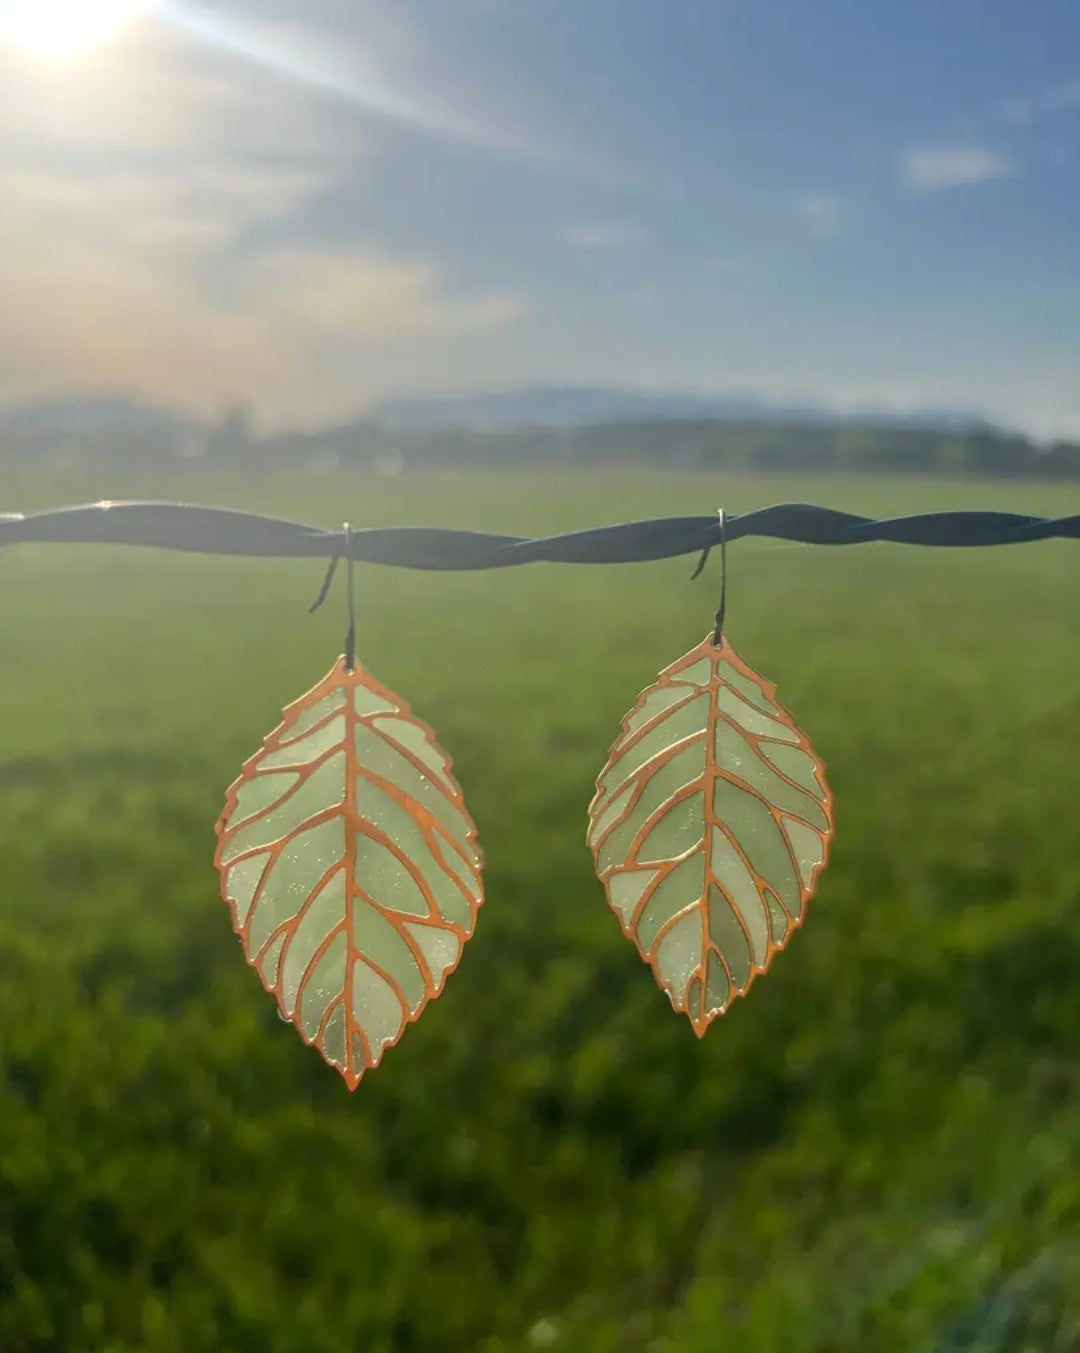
<point>718,624</point>
<point>350,635</point>
<point>718,630</point>
<point>324,592</point>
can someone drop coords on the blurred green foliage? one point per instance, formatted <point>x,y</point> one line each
<point>877,1149</point>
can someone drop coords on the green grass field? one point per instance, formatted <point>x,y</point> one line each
<point>879,1149</point>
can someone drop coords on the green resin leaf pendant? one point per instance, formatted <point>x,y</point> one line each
<point>350,867</point>
<point>710,826</point>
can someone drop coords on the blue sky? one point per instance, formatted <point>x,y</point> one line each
<point>312,204</point>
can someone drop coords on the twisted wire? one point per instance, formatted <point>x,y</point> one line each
<point>214,530</point>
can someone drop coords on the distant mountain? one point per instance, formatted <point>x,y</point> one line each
<point>557,406</point>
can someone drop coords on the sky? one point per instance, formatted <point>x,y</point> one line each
<point>311,205</point>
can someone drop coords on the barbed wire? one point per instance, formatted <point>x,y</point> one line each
<point>227,531</point>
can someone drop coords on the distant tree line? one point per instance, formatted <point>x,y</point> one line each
<point>747,447</point>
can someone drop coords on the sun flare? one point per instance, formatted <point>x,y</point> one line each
<point>63,30</point>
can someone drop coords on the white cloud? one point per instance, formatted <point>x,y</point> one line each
<point>357,297</point>
<point>190,208</point>
<point>589,235</point>
<point>127,323</point>
<point>933,168</point>
<point>822,212</point>
<point>151,311</point>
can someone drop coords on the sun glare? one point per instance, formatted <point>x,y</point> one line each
<point>62,30</point>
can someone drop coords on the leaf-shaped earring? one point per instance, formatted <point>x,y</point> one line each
<point>350,864</point>
<point>710,825</point>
